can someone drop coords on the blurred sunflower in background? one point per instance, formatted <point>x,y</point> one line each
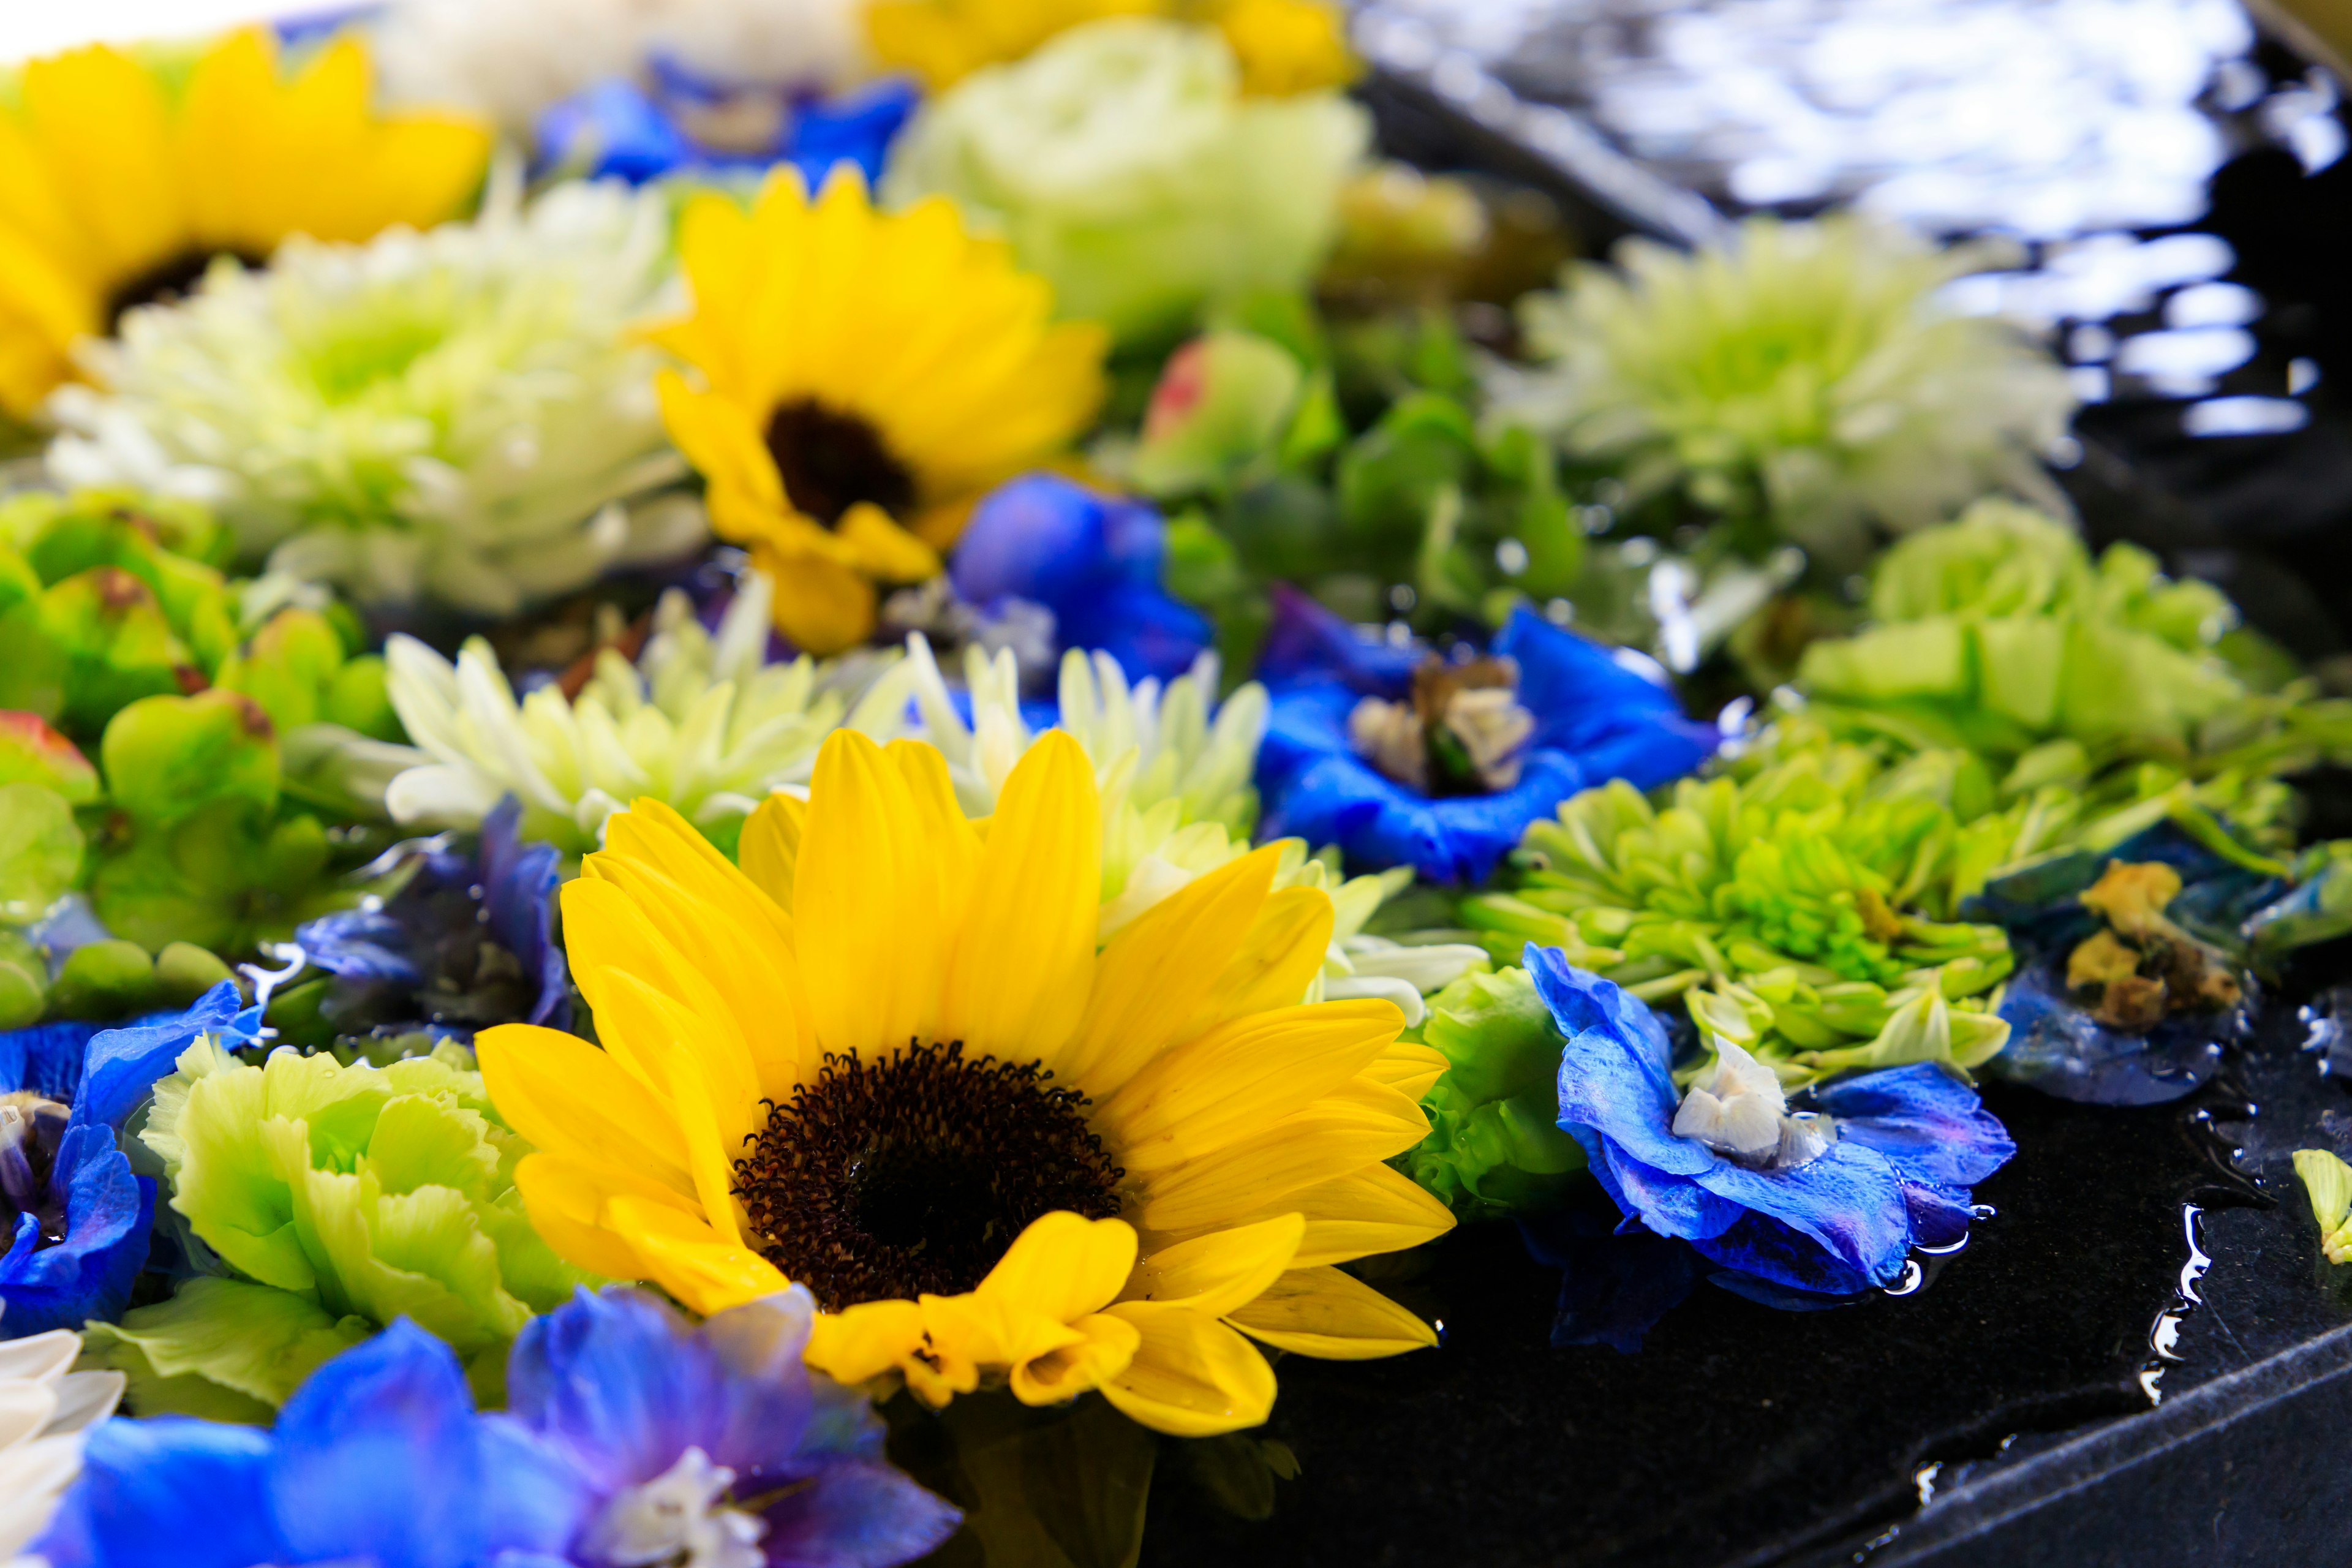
<point>864,377</point>
<point>1284,46</point>
<point>886,1060</point>
<point>118,187</point>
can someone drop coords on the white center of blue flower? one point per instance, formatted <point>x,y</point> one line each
<point>1739,1111</point>
<point>678,1519</point>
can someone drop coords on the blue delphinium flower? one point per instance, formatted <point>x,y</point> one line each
<point>1404,758</point>
<point>715,1442</point>
<point>78,1218</point>
<point>1828,1202</point>
<point>631,1438</point>
<point>678,120</point>
<point>1091,559</point>
<point>379,1459</point>
<point>468,942</point>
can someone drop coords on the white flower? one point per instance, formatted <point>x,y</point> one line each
<point>1808,369</point>
<point>1125,164</point>
<point>1741,1111</point>
<point>43,1410</point>
<point>462,413</point>
<point>698,722</point>
<point>513,58</point>
<point>679,1519</point>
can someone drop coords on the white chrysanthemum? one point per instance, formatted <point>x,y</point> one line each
<point>1810,369</point>
<point>464,414</point>
<point>513,58</point>
<point>45,1408</point>
<point>698,721</point>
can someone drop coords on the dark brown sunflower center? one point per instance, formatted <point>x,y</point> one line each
<point>167,282</point>
<point>889,1179</point>
<point>830,461</point>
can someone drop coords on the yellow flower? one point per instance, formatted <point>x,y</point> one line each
<point>1284,46</point>
<point>885,1060</point>
<point>115,190</point>
<point>866,376</point>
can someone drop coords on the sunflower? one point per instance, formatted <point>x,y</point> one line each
<point>866,376</point>
<point>119,190</point>
<point>885,1060</point>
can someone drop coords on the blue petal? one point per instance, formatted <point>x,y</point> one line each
<point>124,1064</point>
<point>359,944</point>
<point>1613,719</point>
<point>2059,1048</point>
<point>1307,641</point>
<point>1152,635</point>
<point>855,1513</point>
<point>855,128</point>
<point>1787,1298</point>
<point>167,1493</point>
<point>617,130</point>
<point>1931,1126</point>
<point>761,1342</point>
<point>109,1213</point>
<point>1940,1215</point>
<point>366,1441</point>
<point>1579,1000</point>
<point>519,883</point>
<point>615,1381</point>
<point>1849,1200</point>
<point>46,1058</point>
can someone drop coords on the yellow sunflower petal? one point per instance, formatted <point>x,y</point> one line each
<point>1214,1274</point>
<point>823,607</point>
<point>864,897</point>
<point>566,1199</point>
<point>685,1257</point>
<point>1374,1210</point>
<point>1329,1139</point>
<point>1408,1068</point>
<point>770,848</point>
<point>1283,952</point>
<point>1191,1376</point>
<point>883,548</point>
<point>955,844</point>
<point>1240,1080</point>
<point>1323,1312</point>
<point>1063,1265</point>
<point>1159,971</point>
<point>1020,973</point>
<point>862,1342</point>
<point>103,128</point>
<point>717,436</point>
<point>1101,1347</point>
<point>713,1093</point>
<point>566,1096</point>
<point>607,936</point>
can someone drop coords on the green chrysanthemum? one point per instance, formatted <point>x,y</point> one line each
<point>462,415</point>
<point>1805,371</point>
<point>336,1198</point>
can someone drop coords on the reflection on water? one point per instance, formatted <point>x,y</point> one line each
<point>2084,129</point>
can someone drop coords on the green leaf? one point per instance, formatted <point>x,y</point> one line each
<point>287,668</point>
<point>222,1350</point>
<point>87,647</point>
<point>169,757</point>
<point>1388,478</point>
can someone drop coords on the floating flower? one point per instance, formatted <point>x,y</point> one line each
<point>1123,161</point>
<point>679,121</point>
<point>1807,371</point>
<point>1401,757</point>
<point>466,942</point>
<point>1829,1201</point>
<point>342,1198</point>
<point>865,375</point>
<point>698,721</point>
<point>1495,1144</point>
<point>123,187</point>
<point>77,1217</point>
<point>1092,562</point>
<point>514,61</point>
<point>715,1442</point>
<point>896,1070</point>
<point>1998,632</point>
<point>1284,46</point>
<point>379,1458</point>
<point>44,1411</point>
<point>462,413</point>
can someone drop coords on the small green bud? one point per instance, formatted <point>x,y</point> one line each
<point>287,667</point>
<point>32,752</point>
<point>88,647</point>
<point>1222,402</point>
<point>166,757</point>
<point>40,850</point>
<point>360,697</point>
<point>184,971</point>
<point>103,980</point>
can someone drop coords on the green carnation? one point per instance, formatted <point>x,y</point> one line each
<point>1124,164</point>
<point>338,1197</point>
<point>1494,1146</point>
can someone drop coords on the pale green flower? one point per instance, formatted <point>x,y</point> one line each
<point>1807,371</point>
<point>341,1197</point>
<point>463,414</point>
<point>698,722</point>
<point>2328,1183</point>
<point>1124,164</point>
